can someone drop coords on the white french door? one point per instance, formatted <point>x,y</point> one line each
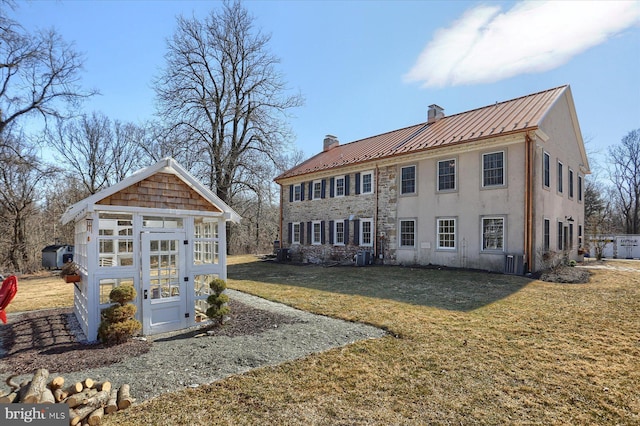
<point>164,297</point>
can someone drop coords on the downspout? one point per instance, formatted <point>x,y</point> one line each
<point>281,203</point>
<point>528,203</point>
<point>375,219</point>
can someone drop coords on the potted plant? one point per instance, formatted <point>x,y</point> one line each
<point>70,272</point>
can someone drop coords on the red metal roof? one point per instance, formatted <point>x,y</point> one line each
<point>516,115</point>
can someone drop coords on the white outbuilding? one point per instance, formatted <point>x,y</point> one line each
<point>159,230</point>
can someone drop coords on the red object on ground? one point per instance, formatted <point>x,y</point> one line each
<point>7,293</point>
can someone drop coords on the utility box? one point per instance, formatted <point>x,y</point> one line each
<point>363,258</point>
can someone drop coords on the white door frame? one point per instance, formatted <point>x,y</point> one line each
<point>164,289</point>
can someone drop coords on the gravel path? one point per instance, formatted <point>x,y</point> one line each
<point>175,362</point>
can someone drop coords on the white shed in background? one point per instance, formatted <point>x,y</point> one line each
<point>159,230</point>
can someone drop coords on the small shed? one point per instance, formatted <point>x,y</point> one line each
<point>161,231</point>
<point>56,255</point>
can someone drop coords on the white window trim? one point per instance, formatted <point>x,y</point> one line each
<point>299,187</point>
<point>455,234</point>
<point>362,175</point>
<point>504,169</point>
<point>415,178</point>
<point>400,233</point>
<point>335,232</point>
<point>504,234</point>
<point>313,189</point>
<point>335,186</point>
<point>373,232</point>
<point>580,188</point>
<point>313,233</point>
<point>455,175</point>
<point>293,232</point>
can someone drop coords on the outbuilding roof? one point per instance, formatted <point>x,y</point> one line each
<point>165,166</point>
<point>502,118</point>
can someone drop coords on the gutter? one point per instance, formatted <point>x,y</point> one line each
<point>528,202</point>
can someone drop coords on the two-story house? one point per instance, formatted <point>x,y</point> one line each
<point>497,188</point>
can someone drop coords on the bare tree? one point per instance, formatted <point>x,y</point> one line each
<point>625,175</point>
<point>220,91</point>
<point>95,150</point>
<point>39,73</point>
<point>21,178</point>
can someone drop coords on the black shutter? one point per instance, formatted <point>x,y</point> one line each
<point>346,231</point>
<point>357,183</point>
<point>301,233</point>
<point>331,189</point>
<point>322,191</point>
<point>291,193</point>
<point>322,233</point>
<point>309,233</point>
<point>302,191</point>
<point>356,232</point>
<point>346,185</point>
<point>331,238</point>
<point>311,190</point>
<point>290,239</point>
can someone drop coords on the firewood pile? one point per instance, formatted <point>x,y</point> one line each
<point>88,401</point>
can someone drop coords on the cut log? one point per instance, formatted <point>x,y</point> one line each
<point>124,398</point>
<point>96,417</point>
<point>79,398</point>
<point>46,397</point>
<point>59,394</point>
<point>99,399</point>
<point>78,415</point>
<point>8,399</point>
<point>103,386</point>
<point>38,384</point>
<point>74,388</point>
<point>112,403</point>
<point>56,383</point>
<point>88,383</point>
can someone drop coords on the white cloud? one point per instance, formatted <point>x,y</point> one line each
<point>487,45</point>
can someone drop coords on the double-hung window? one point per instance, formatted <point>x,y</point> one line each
<point>366,232</point>
<point>407,233</point>
<point>317,189</point>
<point>546,170</point>
<point>297,192</point>
<point>493,233</point>
<point>560,187</point>
<point>295,231</point>
<point>579,188</point>
<point>570,183</point>
<point>367,183</point>
<point>338,232</point>
<point>447,175</point>
<point>316,232</point>
<point>546,236</point>
<point>447,234</point>
<point>339,186</point>
<point>493,169</point>
<point>408,180</point>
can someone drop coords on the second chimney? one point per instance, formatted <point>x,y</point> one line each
<point>330,142</point>
<point>435,113</point>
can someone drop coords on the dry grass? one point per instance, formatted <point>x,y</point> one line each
<point>45,290</point>
<point>466,348</point>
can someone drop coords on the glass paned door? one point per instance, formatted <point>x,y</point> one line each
<point>163,286</point>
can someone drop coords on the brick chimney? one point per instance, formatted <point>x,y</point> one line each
<point>330,142</point>
<point>435,113</point>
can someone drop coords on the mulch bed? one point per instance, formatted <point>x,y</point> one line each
<point>46,339</point>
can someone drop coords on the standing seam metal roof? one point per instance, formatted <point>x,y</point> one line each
<point>516,115</point>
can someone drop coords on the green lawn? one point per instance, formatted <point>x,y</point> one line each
<point>464,348</point>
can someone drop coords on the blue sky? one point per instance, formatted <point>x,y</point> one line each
<point>368,67</point>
